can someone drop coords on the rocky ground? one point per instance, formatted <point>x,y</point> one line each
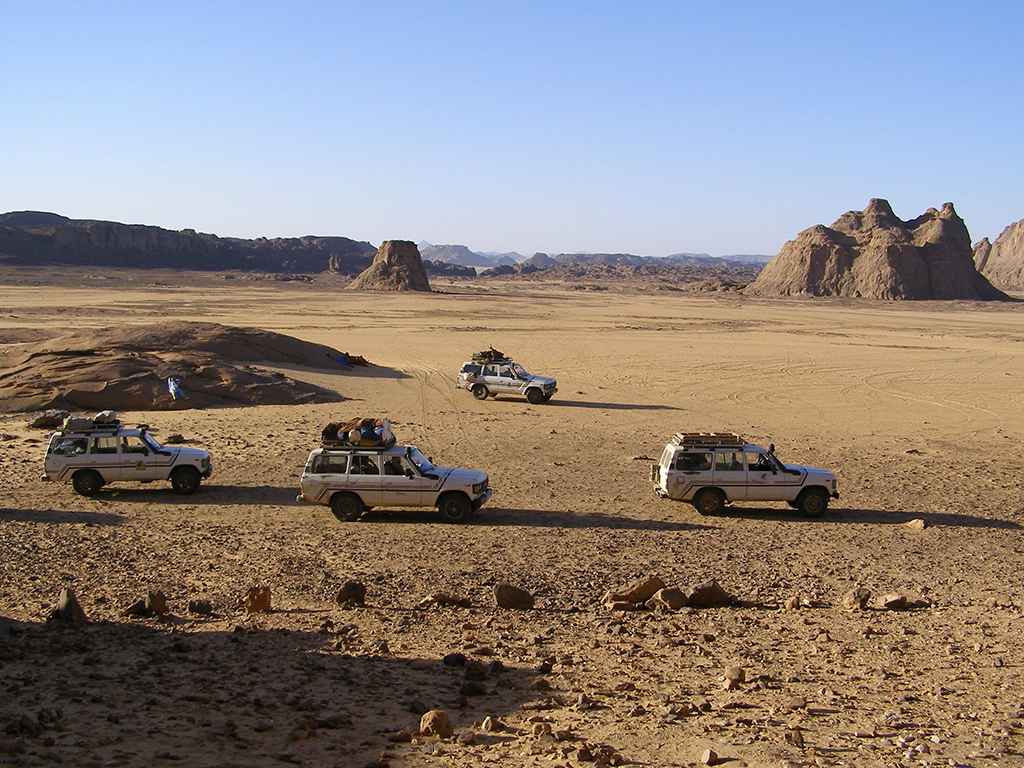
<point>917,408</point>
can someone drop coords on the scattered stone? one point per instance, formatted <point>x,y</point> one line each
<point>436,723</point>
<point>441,598</point>
<point>792,603</point>
<point>68,609</point>
<point>708,595</point>
<point>475,670</point>
<point>473,688</point>
<point>49,419</point>
<point>156,602</point>
<point>893,602</point>
<point>200,607</point>
<point>917,524</point>
<point>622,605</point>
<point>399,737</point>
<point>136,609</point>
<point>351,592</point>
<point>540,684</point>
<point>175,439</point>
<point>709,757</point>
<point>670,598</point>
<point>507,596</point>
<point>454,660</point>
<point>418,706</point>
<point>466,738</point>
<point>492,725</point>
<point>639,593</point>
<point>795,737</point>
<point>796,702</point>
<point>734,677</point>
<point>856,599</point>
<point>258,600</point>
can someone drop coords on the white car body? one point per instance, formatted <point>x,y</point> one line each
<point>94,456</point>
<point>504,377</point>
<point>350,480</point>
<point>710,470</point>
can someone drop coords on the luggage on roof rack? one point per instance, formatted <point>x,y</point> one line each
<point>490,355</point>
<point>104,421</point>
<point>358,433</point>
<point>707,440</point>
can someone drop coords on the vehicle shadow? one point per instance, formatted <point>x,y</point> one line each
<point>873,516</point>
<point>224,495</point>
<point>534,518</point>
<point>60,517</point>
<point>611,406</point>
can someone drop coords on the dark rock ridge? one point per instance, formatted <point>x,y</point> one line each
<point>396,267</point>
<point>34,238</point>
<point>1002,262</point>
<point>874,254</point>
<point>127,368</point>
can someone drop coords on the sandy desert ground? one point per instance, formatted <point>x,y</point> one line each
<point>918,408</point>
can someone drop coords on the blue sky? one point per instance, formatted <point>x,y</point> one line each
<point>641,127</point>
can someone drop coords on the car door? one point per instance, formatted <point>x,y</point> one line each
<point>692,470</point>
<point>138,462</point>
<point>731,474</point>
<point>364,478</point>
<point>508,381</point>
<point>403,486</point>
<point>492,379</point>
<point>764,484</point>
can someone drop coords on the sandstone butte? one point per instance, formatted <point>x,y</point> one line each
<point>396,267</point>
<point>874,254</point>
<point>1002,262</point>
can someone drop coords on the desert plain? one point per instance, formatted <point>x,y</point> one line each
<point>917,407</point>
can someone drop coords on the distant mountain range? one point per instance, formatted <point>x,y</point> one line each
<point>34,238</point>
<point>461,255</point>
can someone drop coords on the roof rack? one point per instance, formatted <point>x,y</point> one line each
<point>349,445</point>
<point>707,440</point>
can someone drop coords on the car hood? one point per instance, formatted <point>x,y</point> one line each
<point>185,453</point>
<point>467,476</point>
<point>809,470</point>
<point>540,380</point>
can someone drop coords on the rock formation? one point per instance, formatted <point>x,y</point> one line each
<point>396,267</point>
<point>127,368</point>
<point>874,254</point>
<point>1002,262</point>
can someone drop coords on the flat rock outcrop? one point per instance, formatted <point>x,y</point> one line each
<point>1002,262</point>
<point>873,254</point>
<point>127,368</point>
<point>396,267</point>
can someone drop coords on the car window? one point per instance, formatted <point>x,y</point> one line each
<point>133,444</point>
<point>728,461</point>
<point>330,465</point>
<point>693,462</point>
<point>393,465</point>
<point>506,372</point>
<point>104,445</point>
<point>364,465</point>
<point>70,446</point>
<point>758,462</point>
<point>490,370</point>
<point>472,370</point>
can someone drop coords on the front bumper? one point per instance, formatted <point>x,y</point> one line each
<point>479,501</point>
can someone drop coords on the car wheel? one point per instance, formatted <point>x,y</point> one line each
<point>185,480</point>
<point>534,395</point>
<point>455,507</point>
<point>480,392</point>
<point>812,503</point>
<point>346,506</point>
<point>709,501</point>
<point>547,397</point>
<point>86,482</point>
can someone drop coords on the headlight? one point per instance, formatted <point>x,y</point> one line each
<point>480,487</point>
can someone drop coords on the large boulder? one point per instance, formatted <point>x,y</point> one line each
<point>396,267</point>
<point>1002,262</point>
<point>874,254</point>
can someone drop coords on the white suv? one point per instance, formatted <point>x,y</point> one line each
<point>710,469</point>
<point>89,453</point>
<point>352,479</point>
<point>490,378</point>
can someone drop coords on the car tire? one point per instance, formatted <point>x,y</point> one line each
<point>455,507</point>
<point>709,501</point>
<point>534,396</point>
<point>812,503</point>
<point>185,480</point>
<point>346,506</point>
<point>547,397</point>
<point>480,392</point>
<point>86,482</point>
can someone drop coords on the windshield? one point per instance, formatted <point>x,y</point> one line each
<point>520,371</point>
<point>421,462</point>
<point>150,441</point>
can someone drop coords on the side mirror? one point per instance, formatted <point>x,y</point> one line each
<point>771,448</point>
<point>409,474</point>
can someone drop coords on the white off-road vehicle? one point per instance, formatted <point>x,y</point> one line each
<point>711,469</point>
<point>352,475</point>
<point>489,376</point>
<point>89,453</point>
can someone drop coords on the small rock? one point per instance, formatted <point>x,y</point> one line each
<point>49,419</point>
<point>540,684</point>
<point>200,607</point>
<point>436,723</point>
<point>258,600</point>
<point>893,602</point>
<point>68,608</point>
<point>736,673</point>
<point>638,593</point>
<point>917,524</point>
<point>796,702</point>
<point>440,598</point>
<point>138,608</point>
<point>175,439</point>
<point>156,602</point>
<point>492,725</point>
<point>709,757</point>
<point>454,660</point>
<point>795,737</point>
<point>708,595</point>
<point>856,599</point>
<point>351,592</point>
<point>507,596</point>
<point>670,598</point>
<point>473,688</point>
<point>621,605</point>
